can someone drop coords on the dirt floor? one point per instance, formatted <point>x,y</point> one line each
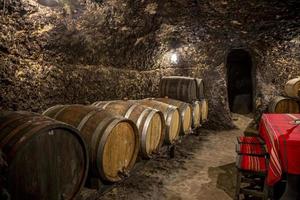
<point>203,168</point>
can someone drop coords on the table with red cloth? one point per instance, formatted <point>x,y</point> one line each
<point>282,137</point>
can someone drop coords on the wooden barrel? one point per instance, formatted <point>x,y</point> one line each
<point>200,88</point>
<point>204,110</point>
<point>180,88</point>
<point>150,122</point>
<point>196,107</point>
<point>284,105</point>
<point>292,88</point>
<point>185,110</point>
<point>113,141</point>
<point>171,115</point>
<point>46,159</point>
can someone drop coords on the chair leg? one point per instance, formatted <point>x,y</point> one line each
<point>238,185</point>
<point>265,190</point>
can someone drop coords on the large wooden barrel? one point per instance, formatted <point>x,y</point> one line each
<point>200,88</point>
<point>113,141</point>
<point>284,105</point>
<point>150,122</point>
<point>204,110</point>
<point>292,88</point>
<point>185,110</point>
<point>46,159</point>
<point>178,87</point>
<point>196,107</point>
<point>182,88</point>
<point>171,115</point>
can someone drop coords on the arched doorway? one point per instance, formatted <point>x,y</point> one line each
<point>240,81</point>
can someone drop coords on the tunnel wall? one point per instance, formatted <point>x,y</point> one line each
<point>82,51</point>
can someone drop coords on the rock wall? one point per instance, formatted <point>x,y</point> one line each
<point>83,51</point>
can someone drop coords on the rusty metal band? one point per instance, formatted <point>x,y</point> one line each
<point>86,118</point>
<point>60,111</point>
<point>12,133</point>
<point>51,108</point>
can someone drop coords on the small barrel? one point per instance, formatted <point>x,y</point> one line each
<point>185,110</point>
<point>113,141</point>
<point>283,105</point>
<point>46,159</point>
<point>200,88</point>
<point>204,110</point>
<point>179,87</point>
<point>292,88</point>
<point>150,122</point>
<point>196,107</point>
<point>171,115</point>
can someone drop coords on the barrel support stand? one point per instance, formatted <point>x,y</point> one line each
<point>172,151</point>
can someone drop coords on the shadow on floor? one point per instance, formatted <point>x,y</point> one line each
<point>226,177</point>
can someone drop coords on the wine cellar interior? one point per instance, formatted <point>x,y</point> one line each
<point>149,99</point>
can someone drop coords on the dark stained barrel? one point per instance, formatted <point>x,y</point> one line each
<point>292,88</point>
<point>46,159</point>
<point>113,141</point>
<point>178,87</point>
<point>284,105</point>
<point>171,115</point>
<point>182,88</point>
<point>150,122</point>
<point>185,110</point>
<point>200,88</point>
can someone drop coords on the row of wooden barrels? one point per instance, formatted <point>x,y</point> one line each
<point>48,159</point>
<point>290,103</point>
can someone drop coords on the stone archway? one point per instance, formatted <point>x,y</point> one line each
<point>240,81</point>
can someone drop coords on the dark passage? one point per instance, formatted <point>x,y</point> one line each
<point>239,77</point>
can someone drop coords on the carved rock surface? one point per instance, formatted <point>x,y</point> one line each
<point>83,50</point>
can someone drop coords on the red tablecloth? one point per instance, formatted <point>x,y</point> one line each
<point>282,138</point>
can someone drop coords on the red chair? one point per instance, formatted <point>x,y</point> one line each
<point>250,140</point>
<point>251,149</point>
<point>251,176</point>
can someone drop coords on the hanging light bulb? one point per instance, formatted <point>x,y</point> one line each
<point>49,3</point>
<point>174,58</point>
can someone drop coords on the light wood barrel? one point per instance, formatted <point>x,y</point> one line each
<point>204,110</point>
<point>46,159</point>
<point>284,105</point>
<point>113,141</point>
<point>150,122</point>
<point>196,107</point>
<point>292,88</point>
<point>180,88</point>
<point>171,115</point>
<point>185,110</point>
